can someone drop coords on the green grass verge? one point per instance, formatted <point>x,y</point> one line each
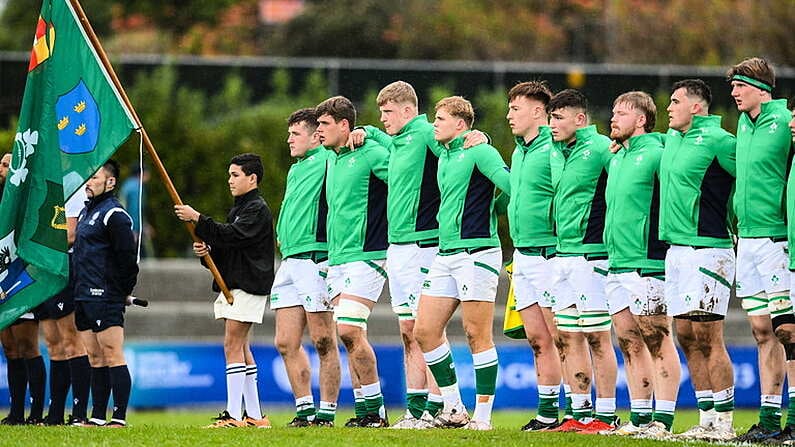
<point>183,428</point>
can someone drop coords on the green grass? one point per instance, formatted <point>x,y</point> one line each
<point>172,428</point>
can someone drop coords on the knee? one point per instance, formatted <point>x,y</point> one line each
<point>349,336</point>
<point>28,348</point>
<point>595,342</point>
<point>763,335</point>
<point>286,345</point>
<point>423,335</point>
<point>324,346</point>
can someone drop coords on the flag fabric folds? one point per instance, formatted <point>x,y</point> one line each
<point>71,121</point>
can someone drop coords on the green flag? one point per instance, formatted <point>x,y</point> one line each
<point>72,120</point>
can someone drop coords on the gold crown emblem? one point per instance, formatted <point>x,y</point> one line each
<point>63,123</point>
<point>80,106</point>
<point>81,129</point>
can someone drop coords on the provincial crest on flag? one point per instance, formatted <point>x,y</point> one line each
<point>78,120</point>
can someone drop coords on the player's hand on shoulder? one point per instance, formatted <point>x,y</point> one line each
<point>356,138</point>
<point>474,138</point>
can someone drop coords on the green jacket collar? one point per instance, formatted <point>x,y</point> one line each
<point>543,133</point>
<point>704,121</point>
<point>457,143</point>
<point>311,152</point>
<point>413,123</point>
<point>643,140</point>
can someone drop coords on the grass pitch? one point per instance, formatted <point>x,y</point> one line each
<point>183,428</point>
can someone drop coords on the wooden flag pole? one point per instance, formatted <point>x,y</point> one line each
<point>150,149</point>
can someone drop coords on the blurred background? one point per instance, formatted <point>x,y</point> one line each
<point>211,79</point>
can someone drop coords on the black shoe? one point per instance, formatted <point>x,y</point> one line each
<point>322,423</point>
<point>51,421</point>
<point>76,421</point>
<point>373,420</point>
<point>354,422</point>
<point>784,437</point>
<point>756,434</point>
<point>10,420</point>
<point>536,425</point>
<point>299,422</point>
<point>34,421</point>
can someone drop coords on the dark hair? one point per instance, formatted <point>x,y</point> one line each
<point>538,90</point>
<point>694,87</point>
<point>307,116</point>
<point>339,108</point>
<point>249,164</point>
<point>568,98</point>
<point>112,167</point>
<point>756,68</point>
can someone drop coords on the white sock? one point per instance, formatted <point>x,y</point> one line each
<point>483,409</point>
<point>235,383</point>
<point>251,393</point>
<point>373,391</point>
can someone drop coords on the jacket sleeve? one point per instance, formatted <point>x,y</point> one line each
<point>378,135</point>
<point>237,234</point>
<point>727,155</point>
<point>119,227</point>
<point>378,157</point>
<point>491,164</point>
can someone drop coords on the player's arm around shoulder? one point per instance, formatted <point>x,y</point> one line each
<point>491,164</point>
<point>726,152</point>
<point>378,158</point>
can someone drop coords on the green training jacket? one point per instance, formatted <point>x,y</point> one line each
<point>302,220</point>
<point>530,206</point>
<point>413,201</point>
<point>356,190</point>
<point>579,172</point>
<point>696,183</point>
<point>763,151</point>
<point>467,182</point>
<point>633,205</point>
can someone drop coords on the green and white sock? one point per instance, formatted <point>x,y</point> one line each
<point>415,401</point>
<point>664,412</point>
<point>359,407</point>
<point>770,412</point>
<point>548,402</point>
<point>706,407</point>
<point>434,404</point>
<point>305,407</point>
<point>327,411</point>
<point>640,411</point>
<point>373,399</point>
<point>724,400</point>
<point>440,362</point>
<point>581,406</point>
<point>606,409</point>
<point>486,368</point>
<point>791,407</point>
<point>567,411</point>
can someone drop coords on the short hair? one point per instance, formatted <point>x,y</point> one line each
<point>642,102</point>
<point>111,166</point>
<point>399,92</point>
<point>249,164</point>
<point>458,107</point>
<point>694,87</point>
<point>339,108</point>
<point>755,68</point>
<point>537,90</point>
<point>568,98</point>
<point>307,116</point>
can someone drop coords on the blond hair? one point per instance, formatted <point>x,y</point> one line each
<point>642,102</point>
<point>399,92</point>
<point>458,107</point>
